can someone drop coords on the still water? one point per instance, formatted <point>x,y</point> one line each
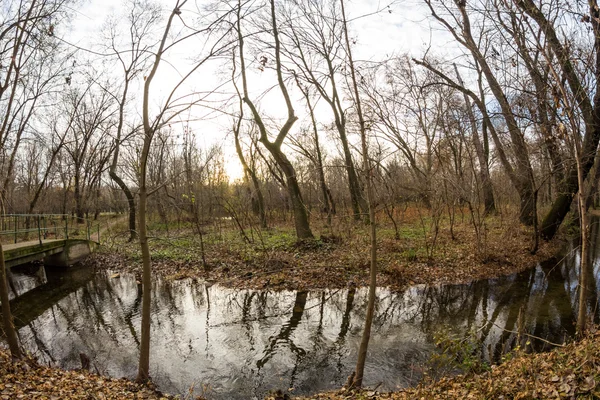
<point>238,344</point>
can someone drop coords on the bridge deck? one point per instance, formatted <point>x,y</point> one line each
<point>31,243</point>
<point>72,238</point>
<point>24,252</point>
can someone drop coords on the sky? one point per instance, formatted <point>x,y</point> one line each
<point>404,27</point>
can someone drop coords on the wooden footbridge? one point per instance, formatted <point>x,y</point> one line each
<point>58,239</point>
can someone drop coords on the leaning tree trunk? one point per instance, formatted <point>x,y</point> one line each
<point>582,314</point>
<point>260,201</point>
<point>130,202</point>
<point>359,205</point>
<point>358,202</point>
<point>328,205</point>
<point>589,109</point>
<point>299,209</point>
<point>584,219</point>
<point>524,172</point>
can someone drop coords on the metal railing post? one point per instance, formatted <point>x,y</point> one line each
<point>67,227</point>
<point>16,223</point>
<point>39,229</point>
<point>88,230</point>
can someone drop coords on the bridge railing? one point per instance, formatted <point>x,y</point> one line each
<point>15,228</point>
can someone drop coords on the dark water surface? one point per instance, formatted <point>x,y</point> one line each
<point>238,344</point>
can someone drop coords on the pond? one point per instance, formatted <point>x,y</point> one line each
<point>239,344</point>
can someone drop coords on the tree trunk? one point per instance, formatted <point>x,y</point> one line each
<point>584,220</point>
<point>358,202</point>
<point>130,202</point>
<point>78,200</point>
<point>523,169</point>
<point>359,206</point>
<point>144,361</point>
<point>259,199</point>
<point>527,204</point>
<point>299,209</point>
<point>7,319</point>
<point>328,206</point>
<point>561,205</point>
<point>590,111</point>
<point>582,314</point>
<point>300,213</point>
<point>484,171</point>
<point>366,336</point>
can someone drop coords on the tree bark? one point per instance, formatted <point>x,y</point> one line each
<point>112,172</point>
<point>7,318</point>
<point>357,200</point>
<point>590,111</point>
<point>328,205</point>
<point>144,361</point>
<point>301,222</point>
<point>522,174</point>
<point>484,171</point>
<point>259,199</point>
<point>256,193</point>
<point>366,336</point>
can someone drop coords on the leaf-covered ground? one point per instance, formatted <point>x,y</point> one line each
<point>570,372</point>
<point>274,260</point>
<point>28,380</point>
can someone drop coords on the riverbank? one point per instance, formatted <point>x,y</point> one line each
<point>272,259</point>
<point>27,379</point>
<point>572,371</point>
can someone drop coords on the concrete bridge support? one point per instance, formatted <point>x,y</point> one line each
<point>73,251</point>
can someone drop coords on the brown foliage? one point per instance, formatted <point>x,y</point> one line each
<point>27,379</point>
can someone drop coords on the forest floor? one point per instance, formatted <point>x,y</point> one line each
<point>339,256</point>
<point>27,379</point>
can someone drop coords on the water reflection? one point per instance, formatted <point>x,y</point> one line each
<point>242,343</point>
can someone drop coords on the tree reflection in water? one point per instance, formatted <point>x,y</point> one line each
<point>243,343</point>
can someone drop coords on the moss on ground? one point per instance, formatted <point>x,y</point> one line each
<point>339,255</point>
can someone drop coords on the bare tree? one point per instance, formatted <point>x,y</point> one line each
<point>93,116</point>
<point>357,378</point>
<point>31,67</point>
<point>171,107</point>
<point>459,25</point>
<point>249,171</point>
<point>482,150</point>
<point>316,48</point>
<point>315,154</point>
<point>585,99</point>
<point>274,147</point>
<point>141,17</point>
